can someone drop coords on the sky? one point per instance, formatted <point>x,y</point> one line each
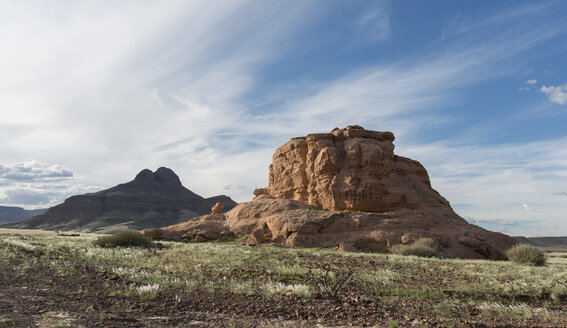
<point>92,92</point>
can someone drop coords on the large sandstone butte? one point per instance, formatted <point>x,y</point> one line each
<point>347,189</point>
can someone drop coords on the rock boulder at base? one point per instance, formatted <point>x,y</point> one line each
<point>204,228</point>
<point>347,189</point>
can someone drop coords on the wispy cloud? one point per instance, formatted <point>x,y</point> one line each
<point>376,24</point>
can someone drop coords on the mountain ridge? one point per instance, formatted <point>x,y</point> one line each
<point>10,214</point>
<point>151,199</point>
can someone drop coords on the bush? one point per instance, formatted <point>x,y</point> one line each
<point>124,238</point>
<point>526,254</point>
<point>424,247</point>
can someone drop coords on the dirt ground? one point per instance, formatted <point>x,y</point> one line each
<point>33,294</point>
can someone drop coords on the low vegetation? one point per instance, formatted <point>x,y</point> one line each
<point>247,286</point>
<point>424,247</point>
<point>123,238</point>
<point>526,254</point>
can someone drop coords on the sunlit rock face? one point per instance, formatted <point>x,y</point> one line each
<point>350,169</point>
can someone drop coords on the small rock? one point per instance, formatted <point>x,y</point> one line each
<point>217,208</point>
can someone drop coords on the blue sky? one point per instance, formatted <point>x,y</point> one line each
<point>92,92</point>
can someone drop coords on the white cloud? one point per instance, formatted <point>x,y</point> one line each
<point>531,82</point>
<point>33,184</point>
<point>492,221</point>
<point>527,207</point>
<point>491,178</point>
<point>32,170</point>
<point>556,94</point>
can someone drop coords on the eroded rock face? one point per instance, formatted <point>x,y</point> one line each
<point>350,169</point>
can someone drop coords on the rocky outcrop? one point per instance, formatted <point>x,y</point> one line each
<point>204,228</point>
<point>152,199</point>
<point>348,189</point>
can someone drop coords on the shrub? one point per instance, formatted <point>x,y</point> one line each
<point>424,247</point>
<point>123,238</point>
<point>526,254</point>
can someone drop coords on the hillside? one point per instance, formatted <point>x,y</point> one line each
<point>13,214</point>
<point>152,199</point>
<point>546,242</point>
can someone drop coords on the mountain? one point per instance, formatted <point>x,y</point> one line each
<point>152,199</point>
<point>546,242</point>
<point>14,214</point>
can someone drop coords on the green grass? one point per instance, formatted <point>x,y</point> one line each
<point>526,254</point>
<point>449,287</point>
<point>123,238</point>
<point>424,247</point>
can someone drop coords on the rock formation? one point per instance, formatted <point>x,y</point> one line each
<point>348,189</point>
<point>217,208</point>
<point>152,199</point>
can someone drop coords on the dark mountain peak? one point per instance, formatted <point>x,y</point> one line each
<point>167,176</point>
<point>162,177</point>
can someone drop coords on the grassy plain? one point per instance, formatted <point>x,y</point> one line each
<point>231,285</point>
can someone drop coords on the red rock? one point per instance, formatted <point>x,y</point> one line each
<point>217,208</point>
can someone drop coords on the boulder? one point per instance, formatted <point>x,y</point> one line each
<point>204,228</point>
<point>217,208</point>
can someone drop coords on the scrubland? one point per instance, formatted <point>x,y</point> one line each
<point>66,281</point>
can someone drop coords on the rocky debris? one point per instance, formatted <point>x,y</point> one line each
<point>204,228</point>
<point>152,199</point>
<point>217,208</point>
<point>347,189</point>
<point>293,223</point>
